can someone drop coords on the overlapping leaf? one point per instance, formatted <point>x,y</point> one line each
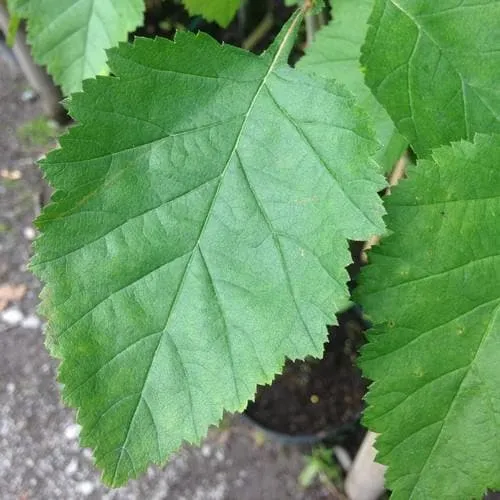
<point>435,66</point>
<point>197,236</point>
<point>220,11</point>
<point>70,37</point>
<point>433,292</point>
<point>335,54</point>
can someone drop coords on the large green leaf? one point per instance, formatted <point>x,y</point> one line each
<point>221,11</point>
<point>435,66</point>
<point>197,236</point>
<point>433,291</point>
<point>70,36</point>
<point>335,54</point>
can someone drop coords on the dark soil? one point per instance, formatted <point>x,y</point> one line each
<point>316,396</point>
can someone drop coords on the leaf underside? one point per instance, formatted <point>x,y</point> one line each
<point>220,11</point>
<point>197,236</point>
<point>71,37</point>
<point>433,293</point>
<point>335,54</point>
<point>435,66</point>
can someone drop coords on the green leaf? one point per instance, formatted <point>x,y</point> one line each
<point>433,293</point>
<point>12,29</point>
<point>335,54</point>
<point>71,37</point>
<point>197,236</point>
<point>435,65</point>
<point>220,11</point>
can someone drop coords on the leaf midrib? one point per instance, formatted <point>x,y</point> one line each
<point>423,31</point>
<point>274,61</point>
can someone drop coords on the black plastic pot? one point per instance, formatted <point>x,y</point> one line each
<point>321,396</point>
<point>332,436</point>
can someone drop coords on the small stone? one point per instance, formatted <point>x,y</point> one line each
<point>206,451</point>
<point>4,427</point>
<point>72,431</point>
<point>12,316</point>
<point>10,388</point>
<point>72,467</point>
<point>29,462</point>
<point>219,455</point>
<point>31,322</point>
<point>11,293</point>
<point>28,95</point>
<point>85,488</point>
<point>11,175</point>
<point>29,233</point>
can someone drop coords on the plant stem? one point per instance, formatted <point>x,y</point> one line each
<point>36,76</point>
<point>398,172</point>
<point>259,32</point>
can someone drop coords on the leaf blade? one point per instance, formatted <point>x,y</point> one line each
<point>200,236</point>
<point>70,38</point>
<point>220,11</point>
<point>431,66</point>
<point>434,302</point>
<point>335,54</point>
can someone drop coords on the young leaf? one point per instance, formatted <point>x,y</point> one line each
<point>433,293</point>
<point>434,65</point>
<point>70,37</point>
<point>197,236</point>
<point>220,11</point>
<point>335,54</point>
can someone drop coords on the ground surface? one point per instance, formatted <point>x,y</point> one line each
<point>39,453</point>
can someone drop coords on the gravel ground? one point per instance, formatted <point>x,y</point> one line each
<point>40,457</point>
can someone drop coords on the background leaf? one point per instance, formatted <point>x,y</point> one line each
<point>433,292</point>
<point>435,67</point>
<point>70,37</point>
<point>197,236</point>
<point>335,54</point>
<point>220,11</point>
<point>14,22</point>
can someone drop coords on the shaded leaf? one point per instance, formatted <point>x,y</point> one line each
<point>335,54</point>
<point>433,293</point>
<point>220,11</point>
<point>70,37</point>
<point>435,66</point>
